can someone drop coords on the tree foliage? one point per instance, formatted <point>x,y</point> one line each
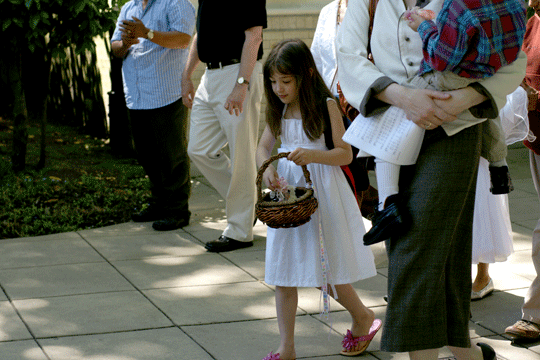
<point>43,30</point>
<point>56,24</point>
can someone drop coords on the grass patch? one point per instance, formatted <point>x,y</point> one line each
<point>82,186</point>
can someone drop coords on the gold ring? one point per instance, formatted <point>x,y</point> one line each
<point>428,126</point>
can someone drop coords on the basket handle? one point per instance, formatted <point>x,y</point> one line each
<point>267,163</point>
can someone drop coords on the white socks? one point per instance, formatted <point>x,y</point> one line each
<point>387,180</point>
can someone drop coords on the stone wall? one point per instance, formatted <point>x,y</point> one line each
<point>281,25</point>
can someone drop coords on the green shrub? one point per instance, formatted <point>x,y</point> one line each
<point>37,205</point>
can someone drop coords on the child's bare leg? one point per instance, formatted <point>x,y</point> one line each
<point>482,277</point>
<point>286,304</point>
<point>362,317</point>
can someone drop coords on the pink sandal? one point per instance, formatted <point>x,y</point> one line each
<point>349,341</point>
<point>272,356</point>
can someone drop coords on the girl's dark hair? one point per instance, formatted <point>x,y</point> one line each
<point>293,57</point>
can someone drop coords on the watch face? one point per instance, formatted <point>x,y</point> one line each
<point>150,35</point>
<point>241,80</point>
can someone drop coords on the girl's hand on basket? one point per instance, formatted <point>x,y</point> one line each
<point>270,177</point>
<point>301,156</point>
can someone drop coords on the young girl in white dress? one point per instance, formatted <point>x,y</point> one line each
<point>326,252</point>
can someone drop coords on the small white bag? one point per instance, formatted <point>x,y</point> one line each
<point>514,118</point>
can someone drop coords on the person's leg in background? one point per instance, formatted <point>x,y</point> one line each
<point>212,128</point>
<point>160,141</point>
<point>529,326</point>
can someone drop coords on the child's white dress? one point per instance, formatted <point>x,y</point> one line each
<point>293,256</point>
<point>492,230</point>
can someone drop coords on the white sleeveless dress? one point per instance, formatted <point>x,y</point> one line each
<point>293,256</point>
<point>492,230</point>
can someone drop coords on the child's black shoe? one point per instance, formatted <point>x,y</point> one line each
<point>386,222</point>
<point>500,180</point>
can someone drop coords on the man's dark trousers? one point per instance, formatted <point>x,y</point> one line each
<point>160,137</point>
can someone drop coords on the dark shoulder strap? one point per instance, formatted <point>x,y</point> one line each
<point>328,130</point>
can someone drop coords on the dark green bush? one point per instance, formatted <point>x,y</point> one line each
<point>33,204</point>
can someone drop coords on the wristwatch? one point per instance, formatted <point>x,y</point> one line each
<point>242,81</point>
<point>150,34</point>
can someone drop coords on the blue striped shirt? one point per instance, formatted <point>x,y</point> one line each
<point>153,74</point>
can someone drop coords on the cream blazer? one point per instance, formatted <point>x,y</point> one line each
<point>397,52</point>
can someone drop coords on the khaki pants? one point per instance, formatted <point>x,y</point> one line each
<point>213,128</point>
<point>531,306</point>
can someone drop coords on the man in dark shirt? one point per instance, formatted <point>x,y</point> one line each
<point>226,108</point>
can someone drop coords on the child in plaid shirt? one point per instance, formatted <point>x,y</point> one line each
<point>469,42</point>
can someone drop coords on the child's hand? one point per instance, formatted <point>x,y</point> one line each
<point>271,178</point>
<point>414,20</point>
<point>415,16</point>
<point>301,156</point>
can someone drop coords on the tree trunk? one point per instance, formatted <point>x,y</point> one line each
<point>43,118</point>
<point>119,123</point>
<point>20,127</point>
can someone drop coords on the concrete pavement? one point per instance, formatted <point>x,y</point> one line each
<point>127,292</point>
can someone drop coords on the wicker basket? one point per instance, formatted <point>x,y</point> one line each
<point>285,214</point>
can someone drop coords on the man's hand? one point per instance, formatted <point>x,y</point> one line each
<point>128,39</point>
<point>235,101</point>
<point>134,28</point>
<point>188,92</point>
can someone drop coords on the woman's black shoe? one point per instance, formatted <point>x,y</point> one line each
<point>487,352</point>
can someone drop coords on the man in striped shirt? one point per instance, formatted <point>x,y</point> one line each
<point>152,37</point>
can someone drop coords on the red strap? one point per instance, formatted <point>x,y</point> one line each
<point>349,174</point>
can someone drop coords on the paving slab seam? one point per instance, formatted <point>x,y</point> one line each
<point>74,294</point>
<point>34,339</point>
<point>131,283</point>
<point>230,321</point>
<point>106,332</point>
<point>50,265</point>
<point>117,332</point>
<point>195,285</point>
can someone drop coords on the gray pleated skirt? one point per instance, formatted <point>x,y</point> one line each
<point>429,273</point>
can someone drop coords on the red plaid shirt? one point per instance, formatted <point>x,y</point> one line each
<point>473,38</point>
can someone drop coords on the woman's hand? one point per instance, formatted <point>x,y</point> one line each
<point>421,107</point>
<point>460,100</point>
<point>301,156</point>
<point>270,177</point>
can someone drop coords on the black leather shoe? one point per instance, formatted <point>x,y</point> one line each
<point>487,352</point>
<point>500,180</point>
<point>225,243</point>
<point>385,222</point>
<point>170,223</point>
<point>150,213</point>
